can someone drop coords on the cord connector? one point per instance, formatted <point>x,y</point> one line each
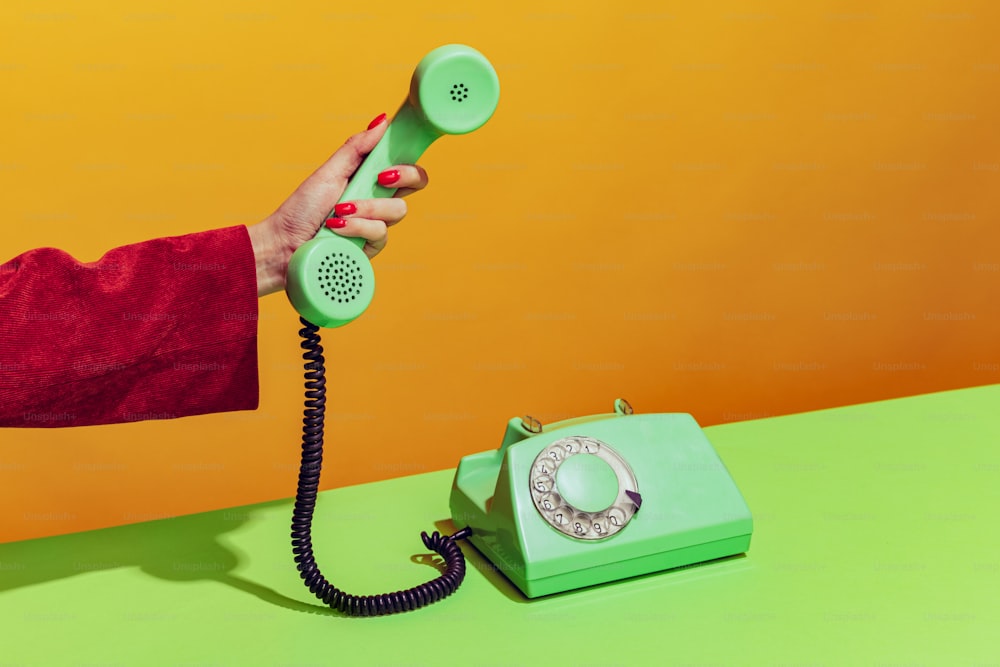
<point>463,534</point>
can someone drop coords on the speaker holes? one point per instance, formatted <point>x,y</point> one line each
<point>459,92</point>
<point>340,278</point>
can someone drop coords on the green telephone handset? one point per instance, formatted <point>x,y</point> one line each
<point>454,90</point>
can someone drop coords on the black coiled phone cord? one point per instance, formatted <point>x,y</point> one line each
<point>305,502</point>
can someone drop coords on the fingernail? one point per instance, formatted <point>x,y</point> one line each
<point>345,208</point>
<point>336,223</point>
<point>378,119</point>
<point>388,177</point>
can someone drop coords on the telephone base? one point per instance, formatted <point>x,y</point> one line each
<point>597,499</point>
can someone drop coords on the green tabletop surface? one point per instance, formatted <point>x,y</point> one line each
<point>875,543</point>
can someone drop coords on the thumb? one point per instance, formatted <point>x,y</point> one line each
<point>337,170</point>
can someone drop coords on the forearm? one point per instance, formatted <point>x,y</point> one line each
<point>163,328</point>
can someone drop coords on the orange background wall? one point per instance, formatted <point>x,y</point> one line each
<point>732,209</point>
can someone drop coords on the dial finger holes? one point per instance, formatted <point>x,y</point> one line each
<point>580,487</point>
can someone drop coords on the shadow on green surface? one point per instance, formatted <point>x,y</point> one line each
<point>179,549</point>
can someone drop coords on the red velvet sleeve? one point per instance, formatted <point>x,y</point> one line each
<point>156,330</point>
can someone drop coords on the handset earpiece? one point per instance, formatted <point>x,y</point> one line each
<point>454,90</point>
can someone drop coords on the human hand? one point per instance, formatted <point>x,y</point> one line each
<point>299,218</point>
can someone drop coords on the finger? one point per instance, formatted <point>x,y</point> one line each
<point>389,211</point>
<point>406,178</point>
<point>374,232</point>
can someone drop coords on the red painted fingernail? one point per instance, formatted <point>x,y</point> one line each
<point>378,119</point>
<point>388,177</point>
<point>345,208</point>
<point>336,223</point>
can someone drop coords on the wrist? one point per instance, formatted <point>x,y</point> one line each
<point>271,257</point>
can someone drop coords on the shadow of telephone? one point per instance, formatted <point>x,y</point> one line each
<point>580,502</point>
